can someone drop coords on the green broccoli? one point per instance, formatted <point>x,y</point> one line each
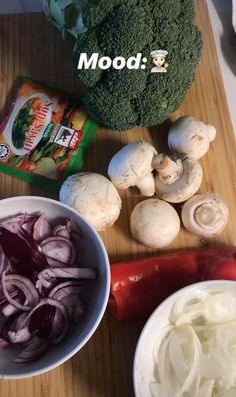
<point>124,98</point>
<point>121,99</point>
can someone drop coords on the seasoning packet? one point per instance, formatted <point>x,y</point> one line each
<point>45,136</point>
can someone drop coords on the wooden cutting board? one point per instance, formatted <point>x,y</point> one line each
<point>30,46</point>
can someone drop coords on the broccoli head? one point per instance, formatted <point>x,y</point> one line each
<point>123,98</point>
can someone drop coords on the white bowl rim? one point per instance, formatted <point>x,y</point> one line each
<point>149,320</point>
<point>28,374</point>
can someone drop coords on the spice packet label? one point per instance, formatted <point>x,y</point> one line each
<point>45,136</point>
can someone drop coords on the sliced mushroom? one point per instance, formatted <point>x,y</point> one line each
<point>191,137</point>
<point>132,166</point>
<point>94,197</point>
<point>154,223</point>
<point>205,214</point>
<point>178,180</point>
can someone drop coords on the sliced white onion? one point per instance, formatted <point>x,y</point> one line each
<point>198,357</point>
<point>206,389</point>
<point>220,308</point>
<point>194,369</point>
<point>184,305</point>
<point>156,389</point>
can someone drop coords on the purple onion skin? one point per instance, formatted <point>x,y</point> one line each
<point>41,321</point>
<point>23,251</point>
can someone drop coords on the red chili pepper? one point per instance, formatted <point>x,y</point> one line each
<point>139,285</point>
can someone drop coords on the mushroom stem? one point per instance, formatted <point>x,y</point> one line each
<point>147,186</point>
<point>169,170</point>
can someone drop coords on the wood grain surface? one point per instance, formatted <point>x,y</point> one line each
<point>30,46</point>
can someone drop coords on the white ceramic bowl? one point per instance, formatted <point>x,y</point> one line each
<point>153,330</point>
<point>93,254</point>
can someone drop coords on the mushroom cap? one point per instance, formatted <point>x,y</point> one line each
<point>154,223</point>
<point>131,164</point>
<point>183,188</point>
<point>205,214</point>
<point>191,137</point>
<point>94,197</point>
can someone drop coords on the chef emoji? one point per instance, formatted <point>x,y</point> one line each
<point>159,60</point>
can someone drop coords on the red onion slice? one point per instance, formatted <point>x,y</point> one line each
<point>64,323</point>
<point>47,276</point>
<point>68,293</point>
<point>13,223</point>
<point>9,309</point>
<point>36,348</point>
<point>21,336</point>
<point>66,288</point>
<point>60,248</point>
<point>13,324</point>
<point>61,230</point>
<point>41,228</point>
<point>26,256</point>
<point>25,285</point>
<point>55,262</point>
<point>74,306</point>
<point>4,262</point>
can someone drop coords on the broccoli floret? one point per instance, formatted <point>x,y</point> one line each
<point>188,10</point>
<point>88,44</point>
<point>96,11</point>
<point>123,31</point>
<point>126,83</point>
<point>123,98</point>
<point>119,111</point>
<point>168,9</point>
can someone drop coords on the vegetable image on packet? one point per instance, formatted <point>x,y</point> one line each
<point>45,136</point>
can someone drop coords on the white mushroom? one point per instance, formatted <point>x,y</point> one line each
<point>191,137</point>
<point>205,214</point>
<point>154,223</point>
<point>132,166</point>
<point>94,197</point>
<point>178,180</point>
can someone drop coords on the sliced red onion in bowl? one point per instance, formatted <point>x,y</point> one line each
<point>12,324</point>
<point>64,323</point>
<point>41,228</point>
<point>26,257</point>
<point>13,223</point>
<point>48,276</point>
<point>59,247</point>
<point>4,263</point>
<point>52,262</point>
<point>40,282</point>
<point>35,349</point>
<point>69,294</point>
<point>25,285</point>
<point>21,336</point>
<point>9,309</point>
<point>64,289</point>
<point>61,230</point>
